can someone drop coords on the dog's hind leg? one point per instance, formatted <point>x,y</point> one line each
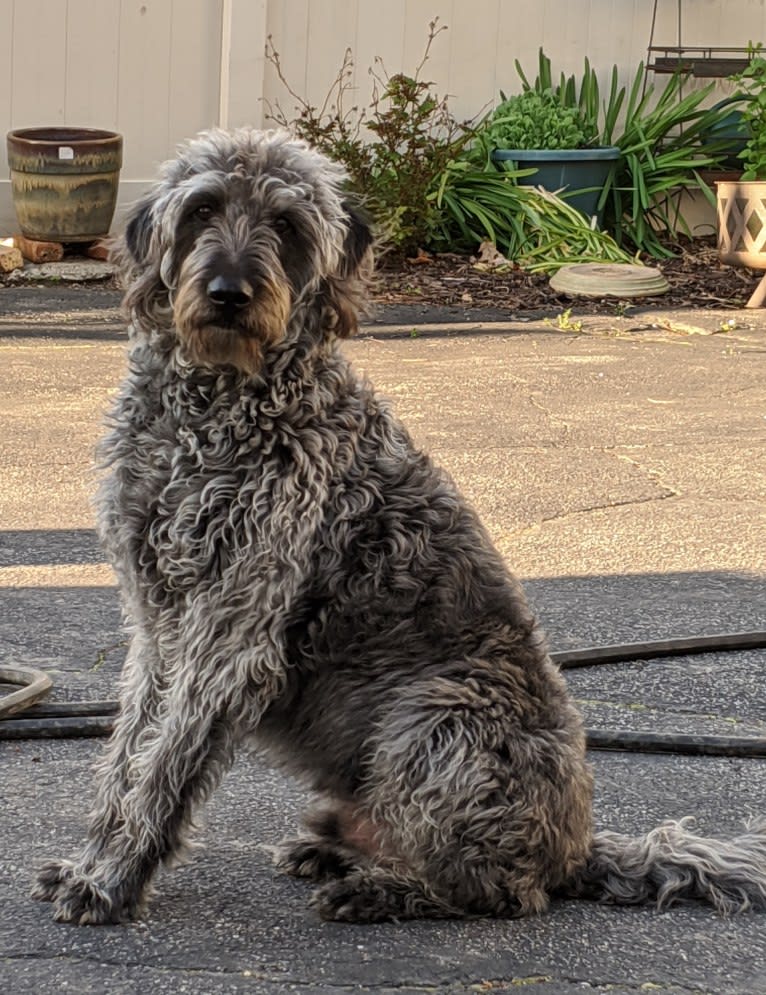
<point>377,894</point>
<point>479,814</point>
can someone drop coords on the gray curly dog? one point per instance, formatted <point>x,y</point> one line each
<point>298,576</point>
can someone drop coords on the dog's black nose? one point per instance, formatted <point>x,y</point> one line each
<point>229,292</point>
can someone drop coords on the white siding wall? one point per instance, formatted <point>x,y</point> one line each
<point>160,70</point>
<point>146,68</point>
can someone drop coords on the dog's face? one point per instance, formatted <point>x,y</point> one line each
<point>243,228</point>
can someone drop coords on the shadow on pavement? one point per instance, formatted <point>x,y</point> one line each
<point>228,923</point>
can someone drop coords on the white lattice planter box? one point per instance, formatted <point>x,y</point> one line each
<point>742,228</point>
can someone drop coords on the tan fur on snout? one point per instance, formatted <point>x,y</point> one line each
<point>259,327</point>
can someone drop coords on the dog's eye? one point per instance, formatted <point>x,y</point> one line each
<point>204,212</point>
<point>282,226</point>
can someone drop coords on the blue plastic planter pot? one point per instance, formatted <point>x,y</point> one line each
<point>732,130</point>
<point>566,169</point>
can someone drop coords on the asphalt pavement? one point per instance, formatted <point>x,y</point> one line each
<point>618,465</point>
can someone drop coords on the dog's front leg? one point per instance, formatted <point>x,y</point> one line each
<point>181,758</point>
<point>141,687</point>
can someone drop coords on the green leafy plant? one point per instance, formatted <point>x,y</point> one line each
<point>538,120</point>
<point>584,98</point>
<point>752,86</point>
<point>536,229</point>
<point>665,141</point>
<point>665,138</point>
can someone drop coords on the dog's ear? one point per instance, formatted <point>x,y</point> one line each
<point>138,231</point>
<point>358,241</point>
<point>346,289</point>
<point>138,266</point>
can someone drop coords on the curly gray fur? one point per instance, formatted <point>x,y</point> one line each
<point>297,575</point>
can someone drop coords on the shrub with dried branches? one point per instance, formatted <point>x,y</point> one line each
<point>395,149</point>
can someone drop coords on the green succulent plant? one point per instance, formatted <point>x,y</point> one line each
<point>538,120</point>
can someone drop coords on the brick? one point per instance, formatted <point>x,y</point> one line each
<point>39,252</point>
<point>10,259</point>
<point>98,250</point>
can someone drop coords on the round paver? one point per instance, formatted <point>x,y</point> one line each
<point>609,280</point>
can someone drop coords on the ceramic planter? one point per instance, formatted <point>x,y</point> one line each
<point>561,170</point>
<point>742,222</point>
<point>64,182</point>
<point>742,227</point>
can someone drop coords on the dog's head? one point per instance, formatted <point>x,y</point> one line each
<point>241,231</point>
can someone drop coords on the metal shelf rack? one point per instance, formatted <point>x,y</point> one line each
<point>702,61</point>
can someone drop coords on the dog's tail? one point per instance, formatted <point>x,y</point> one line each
<point>671,864</point>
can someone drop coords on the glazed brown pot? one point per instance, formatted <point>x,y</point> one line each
<point>64,182</point>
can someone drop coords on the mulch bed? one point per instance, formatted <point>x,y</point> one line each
<point>696,277</point>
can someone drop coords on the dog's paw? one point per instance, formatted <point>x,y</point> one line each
<point>354,899</point>
<point>50,877</point>
<point>79,897</point>
<point>83,901</point>
<point>313,859</point>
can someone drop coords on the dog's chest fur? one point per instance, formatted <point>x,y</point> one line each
<point>204,469</point>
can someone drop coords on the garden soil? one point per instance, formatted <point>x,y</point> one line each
<point>697,279</point>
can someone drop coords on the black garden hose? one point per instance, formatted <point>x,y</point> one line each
<point>64,720</point>
<point>671,742</point>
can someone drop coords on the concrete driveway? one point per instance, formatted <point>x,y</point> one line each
<point>620,468</point>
